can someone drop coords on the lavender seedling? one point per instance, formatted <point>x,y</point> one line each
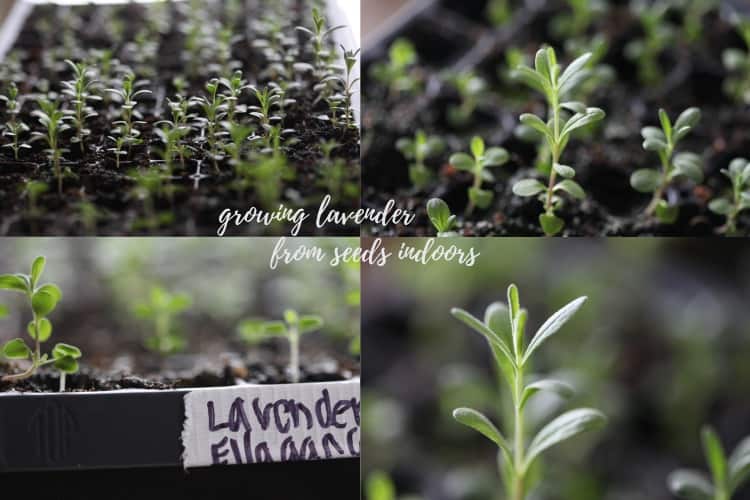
<point>658,35</point>
<point>504,329</point>
<point>52,118</point>
<point>129,115</point>
<point>269,101</point>
<point>14,128</point>
<point>318,37</point>
<point>292,328</point>
<point>739,199</point>
<point>565,117</point>
<point>397,73</point>
<point>349,83</point>
<point>419,149</point>
<point>737,62</point>
<point>162,309</point>
<point>440,216</point>
<point>728,474</point>
<point>471,89</point>
<point>476,164</point>
<point>214,110</point>
<point>42,300</point>
<point>79,90</point>
<point>234,86</point>
<point>32,191</point>
<point>663,142</point>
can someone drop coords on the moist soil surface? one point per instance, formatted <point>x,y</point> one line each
<point>452,36</point>
<point>194,194</point>
<point>271,371</point>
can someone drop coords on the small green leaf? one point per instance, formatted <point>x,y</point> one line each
<point>380,487</point>
<point>483,425</point>
<point>482,198</point>
<point>440,215</point>
<point>550,385</point>
<point>497,318</point>
<point>45,330</point>
<point>564,427</point>
<point>689,165</point>
<point>666,213</point>
<point>574,74</point>
<point>531,78</point>
<point>310,323</point>
<point>553,325</point>
<point>654,133</point>
<point>715,455</point>
<point>654,144</point>
<point>66,350</point>
<point>575,107</point>
<point>36,270</point>
<point>16,349</point>
<point>495,157</point>
<point>66,364</point>
<point>514,303</point>
<point>541,64</point>
<point>179,302</point>
<point>537,124</point>
<point>483,329</point>
<point>645,180</point>
<point>462,161</point>
<point>52,290</point>
<point>43,303</point>
<point>720,206</point>
<point>13,282</point>
<point>666,125</point>
<point>551,224</point>
<point>564,170</point>
<point>688,118</point>
<point>739,465</point>
<point>690,485</point>
<point>580,120</point>
<point>571,187</point>
<point>477,147</point>
<point>528,187</point>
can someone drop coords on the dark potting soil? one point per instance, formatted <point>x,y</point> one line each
<point>452,36</point>
<point>193,196</point>
<point>92,380</point>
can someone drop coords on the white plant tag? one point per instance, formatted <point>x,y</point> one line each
<point>271,423</point>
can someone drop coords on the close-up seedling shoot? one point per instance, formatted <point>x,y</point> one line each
<point>504,328</point>
<point>161,310</point>
<point>564,118</point>
<point>728,473</point>
<point>42,300</point>
<point>291,328</point>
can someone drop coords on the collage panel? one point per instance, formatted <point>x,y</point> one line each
<point>172,118</point>
<point>178,368</point>
<point>622,375</point>
<point>572,118</point>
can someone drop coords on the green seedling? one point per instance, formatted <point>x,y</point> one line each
<point>693,12</point>
<point>397,74</point>
<point>32,191</point>
<point>565,117</point>
<point>268,175</point>
<point>727,473</point>
<point>503,327</point>
<point>663,142</point>
<point>739,199</point>
<point>351,57</point>
<point>319,36</point>
<point>477,163</point>
<point>162,309</point>
<point>441,217</point>
<point>234,87</point>
<point>471,89</point>
<point>52,118</point>
<point>498,12</point>
<point>334,173</point>
<point>292,328</point>
<point>658,35</point>
<point>418,150</point>
<point>214,111</point>
<point>127,126</point>
<point>240,136</point>
<point>42,300</point>
<point>576,22</point>
<point>80,91</point>
<point>14,128</point>
<point>737,61</point>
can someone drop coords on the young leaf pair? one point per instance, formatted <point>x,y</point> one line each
<point>565,117</point>
<point>42,299</point>
<point>292,328</point>
<point>504,328</point>
<point>739,199</point>
<point>479,160</point>
<point>673,166</point>
<point>727,474</point>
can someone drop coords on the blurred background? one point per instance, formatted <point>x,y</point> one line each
<point>661,347</point>
<point>227,280</point>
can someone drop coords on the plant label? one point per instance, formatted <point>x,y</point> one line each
<point>271,423</point>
